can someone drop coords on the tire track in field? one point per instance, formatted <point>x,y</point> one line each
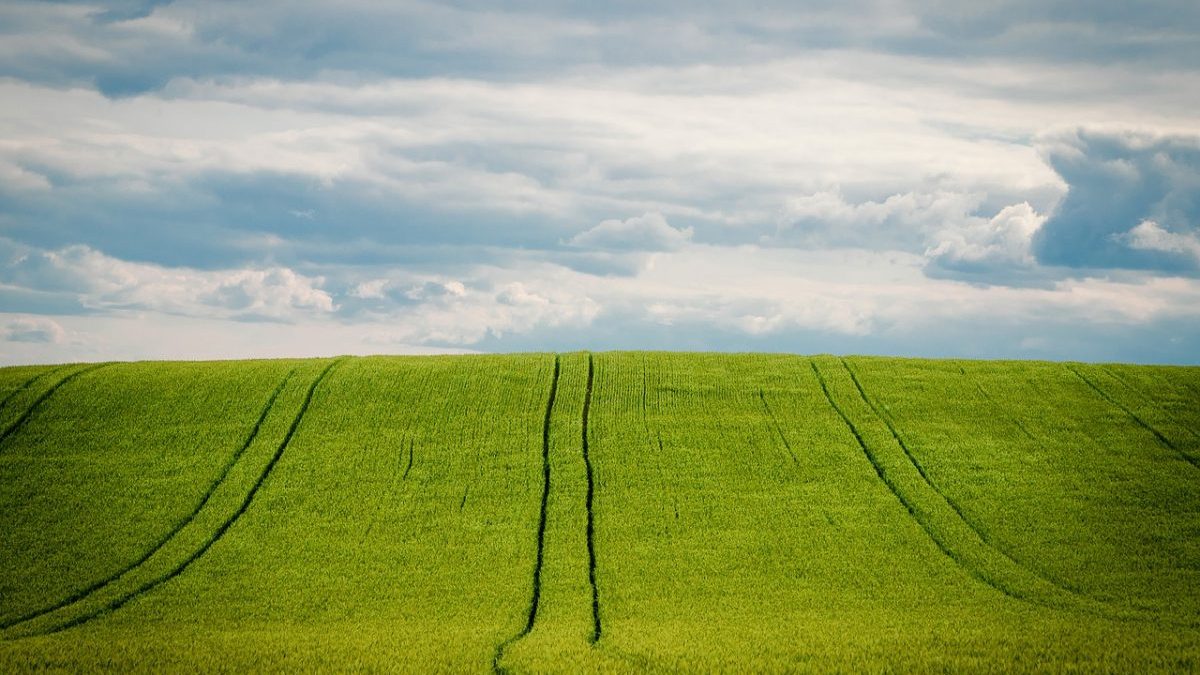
<point>1163,440</point>
<point>899,494</point>
<point>1145,397</point>
<point>591,521</point>
<point>220,531</point>
<point>778,429</point>
<point>410,431</point>
<point>536,595</point>
<point>20,421</point>
<point>1066,597</point>
<point>970,523</point>
<point>27,384</point>
<point>1052,595</point>
<point>651,438</point>
<point>988,397</point>
<point>165,539</point>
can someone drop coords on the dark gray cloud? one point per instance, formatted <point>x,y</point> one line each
<point>1133,201</point>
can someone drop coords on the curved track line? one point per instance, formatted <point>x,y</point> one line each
<point>778,429</point>
<point>28,383</point>
<point>165,539</point>
<point>220,532</point>
<point>20,421</point>
<point>1141,394</point>
<point>988,397</point>
<point>410,430</point>
<point>1133,416</point>
<point>591,521</point>
<point>650,439</point>
<point>899,495</point>
<point>410,460</point>
<point>933,486</point>
<point>1079,602</point>
<point>541,530</point>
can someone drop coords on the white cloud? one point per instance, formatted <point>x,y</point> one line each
<point>464,316</point>
<point>33,329</point>
<point>898,222</point>
<point>102,282</point>
<point>1000,242</point>
<point>1150,236</point>
<point>647,232</point>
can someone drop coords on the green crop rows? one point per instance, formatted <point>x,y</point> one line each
<point>600,512</point>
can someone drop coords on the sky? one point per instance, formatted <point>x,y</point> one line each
<point>992,179</point>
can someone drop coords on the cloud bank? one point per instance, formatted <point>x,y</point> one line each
<point>1013,179</point>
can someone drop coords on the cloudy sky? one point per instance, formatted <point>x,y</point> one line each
<point>1003,178</point>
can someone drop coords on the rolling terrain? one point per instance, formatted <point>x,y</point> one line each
<point>607,512</point>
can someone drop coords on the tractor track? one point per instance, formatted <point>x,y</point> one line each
<point>988,397</point>
<point>970,523</point>
<point>591,520</point>
<point>393,489</point>
<point>20,421</point>
<point>163,541</point>
<point>219,533</point>
<point>1163,440</point>
<point>899,495</point>
<point>932,533</point>
<point>1142,395</point>
<point>778,429</point>
<point>655,436</point>
<point>536,594</point>
<point>27,384</point>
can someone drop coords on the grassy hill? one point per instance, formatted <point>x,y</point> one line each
<point>616,511</point>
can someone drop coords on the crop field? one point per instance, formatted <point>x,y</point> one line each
<point>600,512</point>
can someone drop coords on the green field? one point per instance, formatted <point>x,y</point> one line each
<point>600,512</point>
